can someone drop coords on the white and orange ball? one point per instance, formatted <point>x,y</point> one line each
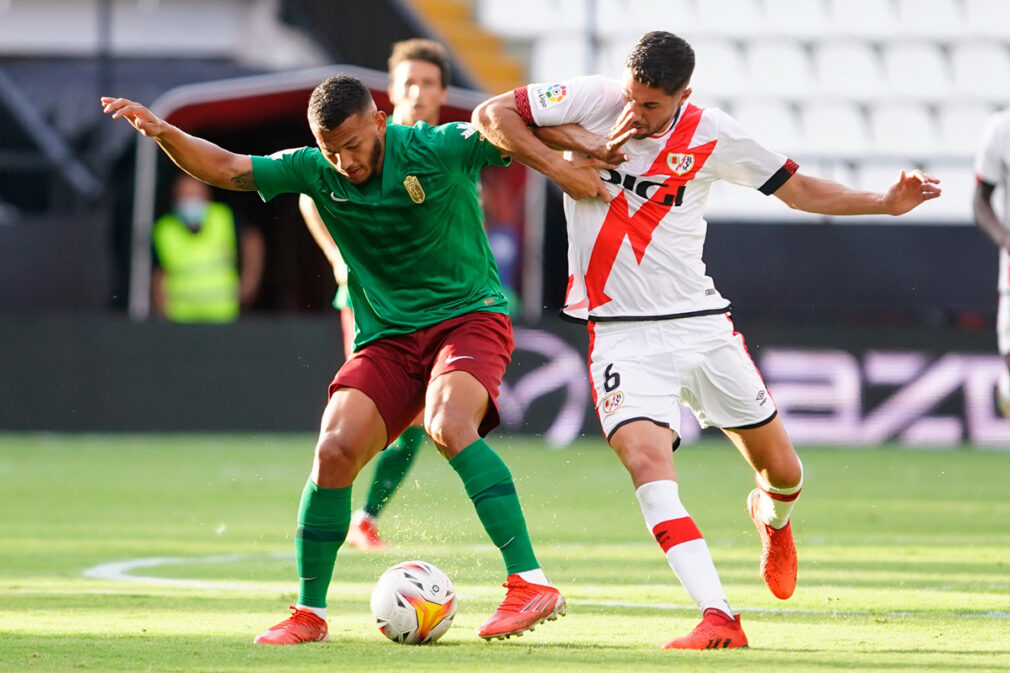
<point>414,603</point>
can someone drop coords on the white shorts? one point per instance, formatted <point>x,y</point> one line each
<point>645,370</point>
<point>1003,324</point>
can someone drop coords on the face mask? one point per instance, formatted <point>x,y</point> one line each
<point>191,211</point>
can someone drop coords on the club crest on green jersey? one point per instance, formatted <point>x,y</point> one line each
<point>414,189</point>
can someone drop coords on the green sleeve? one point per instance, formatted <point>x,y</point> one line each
<point>462,148</point>
<point>283,172</point>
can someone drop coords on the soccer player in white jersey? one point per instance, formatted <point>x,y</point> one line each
<point>992,170</point>
<point>660,332</point>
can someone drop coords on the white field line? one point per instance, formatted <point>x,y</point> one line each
<point>121,571</point>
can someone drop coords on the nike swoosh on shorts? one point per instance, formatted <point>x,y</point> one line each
<point>449,361</point>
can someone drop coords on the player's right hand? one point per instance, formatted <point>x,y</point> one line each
<point>139,116</point>
<point>582,180</point>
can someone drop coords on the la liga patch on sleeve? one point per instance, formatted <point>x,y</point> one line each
<point>548,95</point>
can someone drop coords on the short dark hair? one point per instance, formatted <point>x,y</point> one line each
<point>662,60</point>
<point>420,49</point>
<point>336,99</point>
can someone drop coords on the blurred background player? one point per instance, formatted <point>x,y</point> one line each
<point>201,274</point>
<point>992,163</point>
<point>418,86</point>
<point>660,333</point>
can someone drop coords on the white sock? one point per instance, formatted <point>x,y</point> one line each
<point>685,549</point>
<point>1004,384</point>
<point>318,612</point>
<point>775,504</point>
<point>535,576</point>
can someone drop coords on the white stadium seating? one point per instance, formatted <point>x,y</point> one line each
<point>858,87</point>
<point>849,68</point>
<point>917,69</point>
<point>835,128</point>
<point>773,122</point>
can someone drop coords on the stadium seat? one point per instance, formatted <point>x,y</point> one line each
<point>719,69</point>
<point>613,53</point>
<point>936,20</point>
<point>849,68</point>
<point>733,202</point>
<point>987,17</point>
<point>960,124</point>
<point>957,178</point>
<point>902,130</point>
<point>774,123</point>
<point>780,68</point>
<point>799,19</point>
<point>878,174</point>
<point>865,19</point>
<point>917,70</point>
<point>531,18</point>
<point>835,128</point>
<point>636,17</point>
<point>730,18</point>
<point>560,57</point>
<point>981,69</point>
<point>829,169</point>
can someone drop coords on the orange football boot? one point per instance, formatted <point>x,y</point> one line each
<point>364,534</point>
<point>778,552</point>
<point>303,626</point>
<point>715,632</point>
<point>525,606</point>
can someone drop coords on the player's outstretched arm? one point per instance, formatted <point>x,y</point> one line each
<point>200,158</point>
<point>985,215</point>
<point>499,122</point>
<point>817,195</point>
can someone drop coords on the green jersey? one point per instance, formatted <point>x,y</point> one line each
<point>413,236</point>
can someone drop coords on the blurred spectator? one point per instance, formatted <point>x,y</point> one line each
<point>198,276</point>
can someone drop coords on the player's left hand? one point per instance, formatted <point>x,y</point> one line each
<point>611,151</point>
<point>910,190</point>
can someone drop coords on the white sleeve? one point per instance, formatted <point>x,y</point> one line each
<point>988,161</point>
<point>576,101</point>
<point>742,160</point>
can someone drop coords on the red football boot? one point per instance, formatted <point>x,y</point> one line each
<point>364,533</point>
<point>715,632</point>
<point>303,626</point>
<point>778,553</point>
<point>525,606</point>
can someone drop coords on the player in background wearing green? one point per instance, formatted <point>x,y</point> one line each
<point>418,86</point>
<point>432,326</point>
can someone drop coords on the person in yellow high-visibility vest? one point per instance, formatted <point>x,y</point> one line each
<point>198,278</point>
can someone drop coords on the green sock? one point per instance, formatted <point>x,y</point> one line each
<point>323,519</point>
<point>391,468</point>
<point>488,482</point>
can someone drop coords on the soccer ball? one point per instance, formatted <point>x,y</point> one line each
<point>414,603</point>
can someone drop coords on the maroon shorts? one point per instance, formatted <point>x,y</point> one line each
<point>395,371</point>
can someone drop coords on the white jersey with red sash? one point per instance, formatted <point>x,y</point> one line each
<point>640,256</point>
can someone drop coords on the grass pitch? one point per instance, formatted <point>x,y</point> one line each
<point>187,546</point>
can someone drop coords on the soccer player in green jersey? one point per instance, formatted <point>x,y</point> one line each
<point>433,331</point>
<point>418,86</point>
